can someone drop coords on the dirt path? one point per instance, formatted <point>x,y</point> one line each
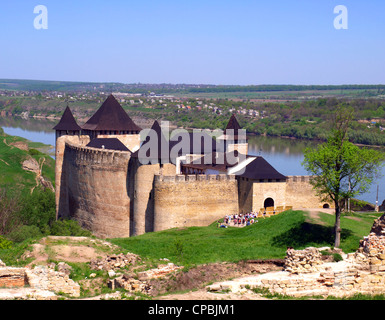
<point>203,294</point>
<point>68,249</point>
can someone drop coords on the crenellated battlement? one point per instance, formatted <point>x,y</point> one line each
<point>82,155</point>
<point>298,179</point>
<point>193,178</point>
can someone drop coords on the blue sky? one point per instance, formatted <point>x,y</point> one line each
<point>211,42</point>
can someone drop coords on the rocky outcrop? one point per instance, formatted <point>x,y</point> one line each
<point>33,166</point>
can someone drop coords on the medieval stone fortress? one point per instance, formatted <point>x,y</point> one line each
<point>103,182</point>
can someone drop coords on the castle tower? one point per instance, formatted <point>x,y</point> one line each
<point>111,121</point>
<point>144,175</point>
<point>235,138</point>
<point>67,127</point>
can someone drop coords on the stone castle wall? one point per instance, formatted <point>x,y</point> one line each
<point>273,190</point>
<point>143,183</point>
<point>96,189</point>
<point>193,200</point>
<point>113,195</point>
<point>296,192</point>
<point>300,193</point>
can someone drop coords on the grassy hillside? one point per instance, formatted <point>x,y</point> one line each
<point>269,238</point>
<point>12,175</point>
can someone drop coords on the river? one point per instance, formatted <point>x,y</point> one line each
<point>285,155</point>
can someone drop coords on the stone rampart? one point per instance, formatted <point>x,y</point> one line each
<point>193,200</point>
<point>97,189</point>
<point>299,193</point>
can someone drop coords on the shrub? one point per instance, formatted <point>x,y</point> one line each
<point>68,228</point>
<point>23,233</point>
<point>39,209</point>
<point>34,152</point>
<point>337,257</point>
<point>4,243</point>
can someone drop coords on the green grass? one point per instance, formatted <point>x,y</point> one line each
<point>267,239</point>
<point>12,175</point>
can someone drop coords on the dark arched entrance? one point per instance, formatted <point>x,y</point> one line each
<point>269,202</point>
<point>326,206</point>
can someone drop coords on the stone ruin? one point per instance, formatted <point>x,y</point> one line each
<point>308,272</point>
<point>302,261</point>
<point>115,261</point>
<point>41,283</point>
<point>114,264</point>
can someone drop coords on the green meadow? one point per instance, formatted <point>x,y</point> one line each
<point>267,239</point>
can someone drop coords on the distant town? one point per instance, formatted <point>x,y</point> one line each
<point>290,111</point>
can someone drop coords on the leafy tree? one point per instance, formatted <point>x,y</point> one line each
<point>341,169</point>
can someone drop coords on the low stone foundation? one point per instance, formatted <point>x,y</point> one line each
<point>302,261</point>
<point>42,277</point>
<point>12,277</point>
<point>37,282</point>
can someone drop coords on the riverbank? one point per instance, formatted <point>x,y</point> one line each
<point>22,166</point>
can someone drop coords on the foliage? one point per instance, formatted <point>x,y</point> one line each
<point>34,152</point>
<point>340,169</point>
<point>68,228</point>
<point>8,206</point>
<point>24,233</point>
<point>39,209</point>
<point>5,243</point>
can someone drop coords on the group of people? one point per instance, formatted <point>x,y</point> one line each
<point>241,219</point>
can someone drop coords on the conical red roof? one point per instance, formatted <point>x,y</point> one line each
<point>111,116</point>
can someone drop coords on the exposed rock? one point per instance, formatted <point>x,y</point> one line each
<point>44,278</point>
<point>302,261</point>
<point>130,284</point>
<point>20,145</point>
<point>378,227</point>
<point>64,267</point>
<point>161,271</point>
<point>115,261</point>
<point>12,277</point>
<point>31,165</point>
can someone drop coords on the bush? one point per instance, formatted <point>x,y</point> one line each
<point>34,152</point>
<point>68,228</point>
<point>39,210</point>
<point>4,243</point>
<point>23,233</point>
<point>337,257</point>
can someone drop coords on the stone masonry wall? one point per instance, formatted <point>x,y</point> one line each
<point>98,196</point>
<point>37,280</point>
<point>193,200</point>
<point>61,195</point>
<point>300,193</point>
